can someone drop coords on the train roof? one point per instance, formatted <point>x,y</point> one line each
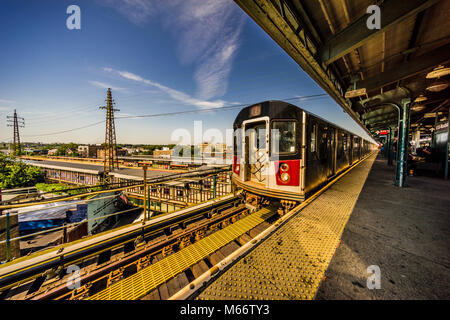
<point>281,110</point>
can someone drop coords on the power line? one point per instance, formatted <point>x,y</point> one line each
<point>213,109</point>
<point>16,122</point>
<point>110,151</point>
<point>87,106</point>
<point>49,119</point>
<point>78,111</point>
<point>64,131</point>
<point>223,108</point>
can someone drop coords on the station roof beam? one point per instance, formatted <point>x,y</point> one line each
<point>357,34</point>
<point>331,42</point>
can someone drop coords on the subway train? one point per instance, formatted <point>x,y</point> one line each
<point>282,152</point>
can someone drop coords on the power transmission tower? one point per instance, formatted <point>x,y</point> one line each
<point>16,122</point>
<point>110,154</point>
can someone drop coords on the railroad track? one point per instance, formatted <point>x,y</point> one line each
<point>28,277</point>
<point>173,257</point>
<point>165,276</point>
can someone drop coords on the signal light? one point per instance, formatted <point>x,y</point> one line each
<point>285,177</point>
<point>288,172</point>
<point>236,165</point>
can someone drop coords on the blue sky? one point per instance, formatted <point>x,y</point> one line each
<point>157,56</point>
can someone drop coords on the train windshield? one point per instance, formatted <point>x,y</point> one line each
<point>283,137</point>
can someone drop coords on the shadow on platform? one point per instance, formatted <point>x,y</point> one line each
<point>404,231</point>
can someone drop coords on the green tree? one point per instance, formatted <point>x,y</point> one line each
<point>16,174</point>
<point>62,149</point>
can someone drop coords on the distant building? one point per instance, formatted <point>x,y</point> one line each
<point>220,147</point>
<point>212,148</point>
<point>32,151</point>
<point>120,153</point>
<point>205,147</point>
<point>163,153</point>
<point>52,152</point>
<point>89,151</point>
<point>131,150</point>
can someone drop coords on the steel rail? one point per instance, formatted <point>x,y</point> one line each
<point>192,289</point>
<point>13,273</point>
<point>94,276</point>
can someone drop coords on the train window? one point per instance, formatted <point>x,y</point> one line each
<point>237,145</point>
<point>313,138</point>
<point>255,138</point>
<point>324,140</point>
<point>344,141</point>
<point>340,146</point>
<point>355,142</point>
<point>284,133</point>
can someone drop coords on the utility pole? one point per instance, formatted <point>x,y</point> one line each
<point>110,154</point>
<point>16,122</point>
<point>145,193</point>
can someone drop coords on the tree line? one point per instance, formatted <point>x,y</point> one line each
<point>16,174</point>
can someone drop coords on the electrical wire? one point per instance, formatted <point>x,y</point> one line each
<point>223,108</point>
<point>64,131</point>
<point>211,109</point>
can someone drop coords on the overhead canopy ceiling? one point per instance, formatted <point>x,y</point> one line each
<point>330,40</point>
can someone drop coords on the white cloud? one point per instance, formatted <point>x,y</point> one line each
<point>137,11</point>
<point>207,35</point>
<point>175,94</point>
<point>105,85</point>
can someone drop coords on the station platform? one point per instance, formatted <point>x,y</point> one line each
<point>323,252</point>
<point>405,231</point>
<point>291,262</point>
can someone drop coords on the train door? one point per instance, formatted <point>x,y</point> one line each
<point>256,153</point>
<point>330,151</point>
<point>355,149</point>
<point>247,168</point>
<point>350,149</point>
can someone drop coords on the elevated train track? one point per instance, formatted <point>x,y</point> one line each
<point>26,269</point>
<point>143,259</point>
<point>144,253</point>
<point>222,249</point>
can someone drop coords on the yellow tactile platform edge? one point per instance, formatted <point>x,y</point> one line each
<point>291,263</point>
<point>156,274</point>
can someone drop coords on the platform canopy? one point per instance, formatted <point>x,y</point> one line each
<point>332,42</point>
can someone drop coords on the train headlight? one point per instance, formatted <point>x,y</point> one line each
<point>284,167</point>
<point>236,165</point>
<point>285,177</point>
<point>287,172</point>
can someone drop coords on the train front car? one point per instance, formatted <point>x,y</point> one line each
<point>282,152</point>
<point>268,153</point>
